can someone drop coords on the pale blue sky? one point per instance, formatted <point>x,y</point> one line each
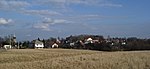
<point>30,19</point>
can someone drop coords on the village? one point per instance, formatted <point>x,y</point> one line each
<point>74,42</point>
<point>89,42</point>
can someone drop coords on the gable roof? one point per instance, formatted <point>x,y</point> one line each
<point>89,39</point>
<point>38,42</point>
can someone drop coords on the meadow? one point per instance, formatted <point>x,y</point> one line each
<point>73,59</point>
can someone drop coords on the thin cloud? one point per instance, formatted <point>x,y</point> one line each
<point>66,3</point>
<point>21,7</point>
<point>48,22</point>
<point>40,12</point>
<point>13,5</point>
<point>42,26</point>
<point>111,5</point>
<point>91,17</point>
<point>55,21</point>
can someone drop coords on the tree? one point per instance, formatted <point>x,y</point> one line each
<point>44,42</point>
<point>1,42</point>
<point>39,39</point>
<point>25,44</point>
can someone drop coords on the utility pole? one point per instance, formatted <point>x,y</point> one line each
<point>9,39</point>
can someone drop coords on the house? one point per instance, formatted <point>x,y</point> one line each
<point>55,45</point>
<point>72,44</point>
<point>7,47</point>
<point>89,40</point>
<point>38,44</point>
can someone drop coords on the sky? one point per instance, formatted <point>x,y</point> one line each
<point>30,19</point>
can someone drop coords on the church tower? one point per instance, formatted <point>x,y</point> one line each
<point>14,38</point>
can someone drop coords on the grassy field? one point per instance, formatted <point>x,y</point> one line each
<point>73,59</point>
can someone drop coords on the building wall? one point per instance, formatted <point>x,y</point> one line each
<point>39,45</point>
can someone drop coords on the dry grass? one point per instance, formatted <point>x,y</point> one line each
<point>73,59</point>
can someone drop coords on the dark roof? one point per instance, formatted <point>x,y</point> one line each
<point>38,42</point>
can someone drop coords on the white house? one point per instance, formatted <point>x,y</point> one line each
<point>123,43</point>
<point>55,45</point>
<point>38,44</point>
<point>7,47</point>
<point>89,40</point>
<point>72,44</point>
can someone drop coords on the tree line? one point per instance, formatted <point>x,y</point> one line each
<point>91,42</point>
